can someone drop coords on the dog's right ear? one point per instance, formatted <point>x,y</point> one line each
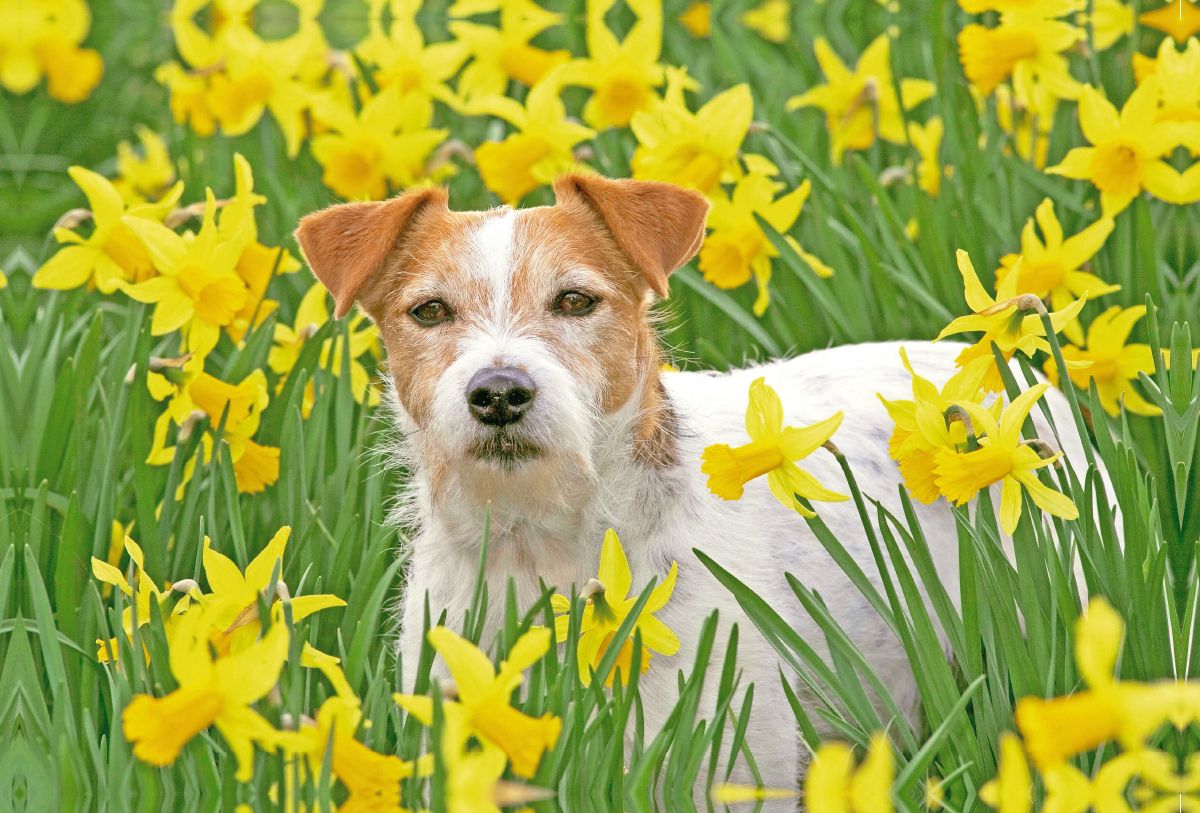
<point>346,244</point>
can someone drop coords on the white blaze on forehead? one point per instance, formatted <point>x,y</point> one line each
<point>489,252</point>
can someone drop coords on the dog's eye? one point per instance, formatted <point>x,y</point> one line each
<point>431,313</point>
<point>575,303</point>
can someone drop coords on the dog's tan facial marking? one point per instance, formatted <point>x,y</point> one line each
<point>427,264</point>
<point>564,249</point>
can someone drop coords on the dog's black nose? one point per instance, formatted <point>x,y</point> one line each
<point>499,396</point>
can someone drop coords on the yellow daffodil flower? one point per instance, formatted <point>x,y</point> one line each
<point>1002,458</point>
<point>232,606</point>
<point>1179,19</point>
<point>1179,88</point>
<point>1127,150</point>
<point>1114,364</point>
<point>145,178</point>
<point>833,785</point>
<point>372,779</point>
<point>312,313</point>
<point>246,75</point>
<point>113,253</point>
<point>257,262</point>
<point>198,288</point>
<point>773,450</point>
<point>608,605</point>
<point>1027,45</point>
<point>1002,320</point>
<point>216,693</point>
<point>1052,269</point>
<point>189,97</point>
<point>483,697</point>
<point>41,38</point>
<point>861,104</point>
<point>770,19</point>
<point>927,139</point>
<point>145,592</point>
<point>620,74</point>
<point>1012,789</point>
<point>387,143</point>
<point>540,151</point>
<point>697,19</point>
<point>404,62</point>
<point>1027,118</point>
<point>736,248</point>
<point>473,775</point>
<point>500,54</point>
<point>697,150</point>
<point>922,427</point>
<point>1111,20</point>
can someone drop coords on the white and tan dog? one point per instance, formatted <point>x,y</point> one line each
<point>526,375</point>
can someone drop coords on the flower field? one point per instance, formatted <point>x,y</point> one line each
<point>198,577</point>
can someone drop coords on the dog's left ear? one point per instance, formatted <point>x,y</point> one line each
<point>659,225</point>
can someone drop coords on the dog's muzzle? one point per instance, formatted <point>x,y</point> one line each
<point>500,396</point>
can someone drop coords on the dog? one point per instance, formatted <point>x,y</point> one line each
<point>526,379</point>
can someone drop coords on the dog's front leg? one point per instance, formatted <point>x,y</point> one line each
<point>427,583</point>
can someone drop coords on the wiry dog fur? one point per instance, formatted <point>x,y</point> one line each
<point>609,441</point>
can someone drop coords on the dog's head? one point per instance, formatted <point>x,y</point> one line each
<point>514,337</point>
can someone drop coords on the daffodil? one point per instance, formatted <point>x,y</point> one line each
<point>737,250</point>
<point>1028,118</point>
<point>145,178</point>
<point>1052,269</point>
<point>1127,150</point>
<point>1179,89</point>
<point>834,785</point>
<point>403,60</point>
<point>145,592</point>
<point>697,150</point>
<point>216,693</point>
<point>312,313</point>
<point>773,450</point>
<point>473,774</point>
<point>1029,41</point>
<point>112,254</point>
<point>540,151</point>
<point>861,104</point>
<point>770,19</point>
<point>927,139</point>
<point>1002,458</point>
<point>620,74</point>
<point>384,147</point>
<point>372,779</point>
<point>41,38</point>
<point>500,54</point>
<point>1179,19</point>
<point>257,262</point>
<point>1003,320</point>
<point>608,605</point>
<point>922,425</point>
<point>483,697</point>
<point>189,97</point>
<point>232,606</point>
<point>247,75</point>
<point>697,19</point>
<point>1114,364</point>
<point>1109,709</point>
<point>1111,20</point>
<point>187,388</point>
<point>198,288</point>
<point>1012,789</point>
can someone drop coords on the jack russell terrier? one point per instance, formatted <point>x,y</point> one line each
<point>525,372</point>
